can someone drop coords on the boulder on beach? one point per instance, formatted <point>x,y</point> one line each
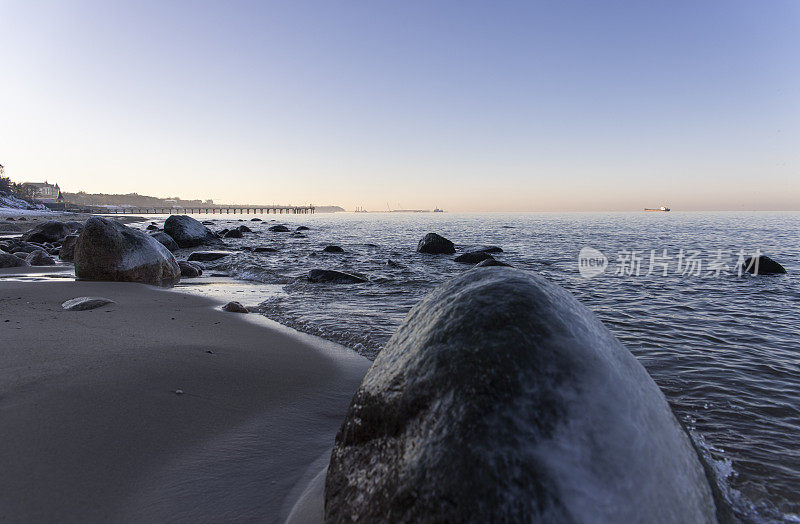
<point>490,249</point>
<point>108,250</point>
<point>502,399</point>
<point>263,249</point>
<point>190,269</point>
<point>435,244</point>
<point>763,265</point>
<point>67,251</point>
<point>330,276</point>
<point>166,240</point>
<point>233,233</point>
<point>39,258</point>
<point>244,229</point>
<point>86,303</point>
<point>489,262</point>
<point>473,257</point>
<point>188,232</point>
<point>234,307</point>
<point>255,220</point>
<point>207,222</point>
<point>279,229</point>
<point>152,227</point>
<point>208,256</point>
<point>302,228</point>
<point>49,231</point>
<point>9,260</point>
<point>333,249</point>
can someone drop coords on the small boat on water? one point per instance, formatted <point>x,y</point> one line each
<point>662,208</point>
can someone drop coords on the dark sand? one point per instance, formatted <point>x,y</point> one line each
<point>91,428</point>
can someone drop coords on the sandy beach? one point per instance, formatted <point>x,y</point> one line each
<point>93,428</point>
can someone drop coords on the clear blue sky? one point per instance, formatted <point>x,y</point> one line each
<point>471,106</point>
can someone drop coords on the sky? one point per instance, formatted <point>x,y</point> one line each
<point>468,106</point>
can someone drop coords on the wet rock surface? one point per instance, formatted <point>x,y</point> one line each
<point>502,399</point>
<point>334,277</point>
<point>108,250</point>
<point>188,232</point>
<point>435,244</point>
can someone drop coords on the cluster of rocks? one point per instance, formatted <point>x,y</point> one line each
<point>40,244</point>
<point>438,245</point>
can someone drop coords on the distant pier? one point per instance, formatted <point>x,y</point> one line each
<point>222,210</point>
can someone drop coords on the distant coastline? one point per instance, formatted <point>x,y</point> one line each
<point>136,200</point>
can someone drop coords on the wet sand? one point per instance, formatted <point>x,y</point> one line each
<point>93,429</point>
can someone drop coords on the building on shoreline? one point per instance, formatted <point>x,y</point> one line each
<point>45,192</point>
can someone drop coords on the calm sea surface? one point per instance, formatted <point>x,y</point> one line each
<point>724,349</point>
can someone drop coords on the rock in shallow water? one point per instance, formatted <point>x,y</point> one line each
<point>208,256</point>
<point>435,244</point>
<point>501,398</point>
<point>473,257</point>
<point>334,277</point>
<point>489,262</point>
<point>333,249</point>
<point>86,303</point>
<point>108,250</point>
<point>279,229</point>
<point>190,269</point>
<point>763,265</point>
<point>188,232</point>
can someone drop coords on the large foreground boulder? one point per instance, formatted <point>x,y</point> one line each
<point>435,244</point>
<point>188,232</point>
<point>50,231</point>
<point>108,250</point>
<point>502,399</point>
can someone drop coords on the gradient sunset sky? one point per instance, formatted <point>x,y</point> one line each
<point>469,106</point>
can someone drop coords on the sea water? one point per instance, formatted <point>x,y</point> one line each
<point>724,347</point>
